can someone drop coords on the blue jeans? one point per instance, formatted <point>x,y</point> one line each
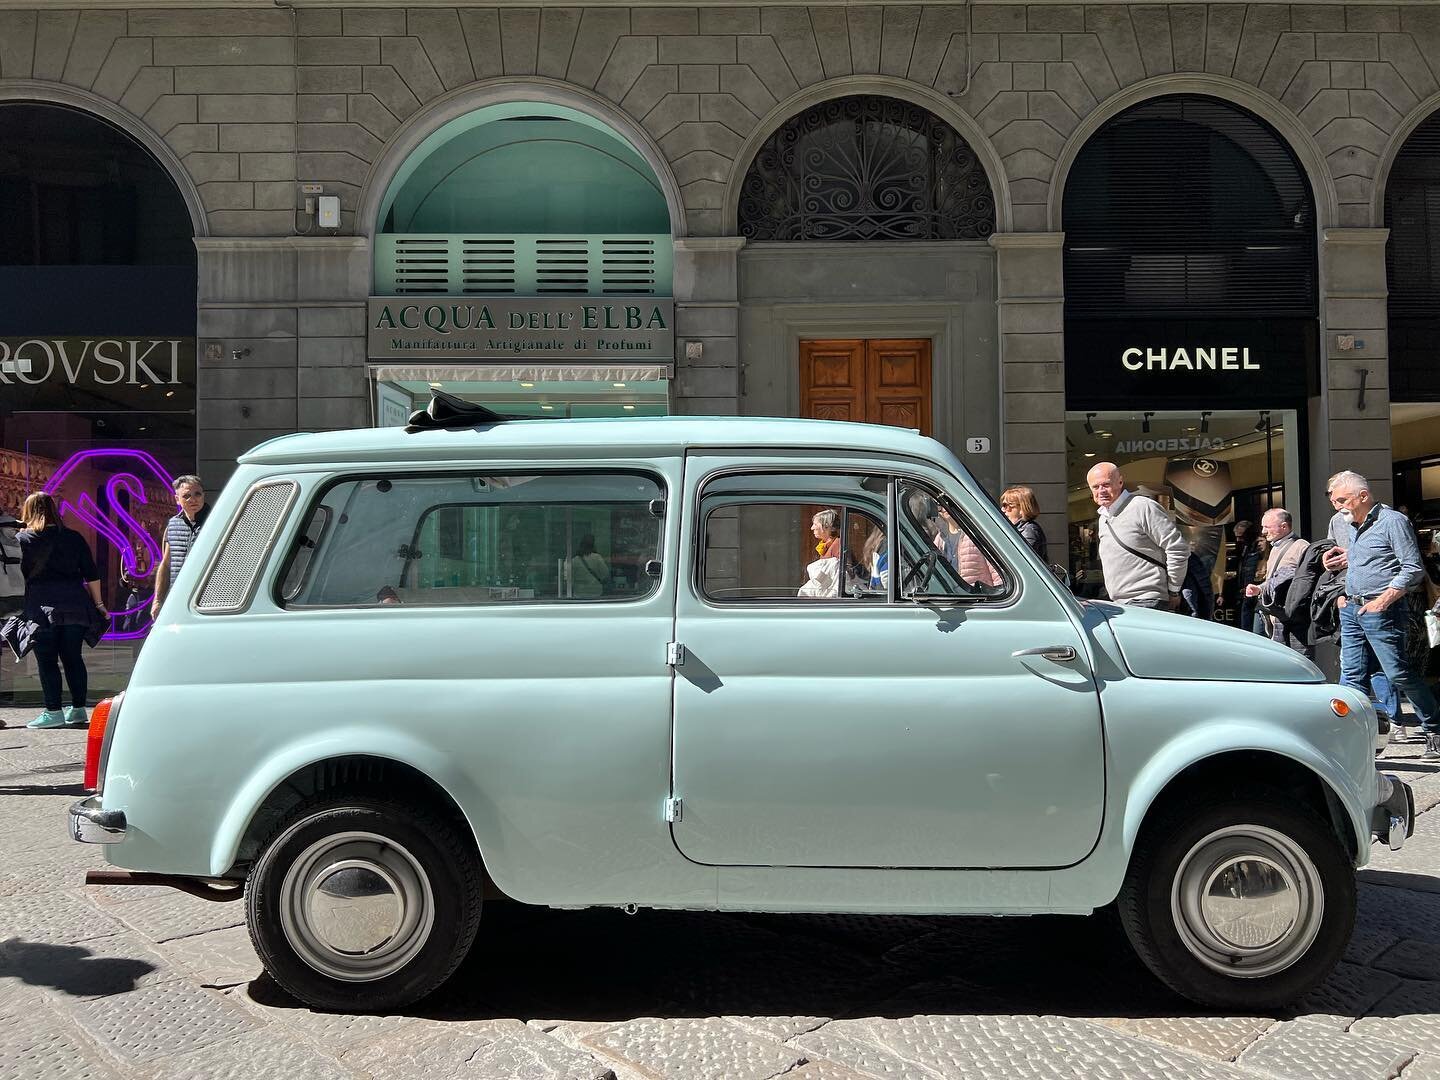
<point>1377,640</point>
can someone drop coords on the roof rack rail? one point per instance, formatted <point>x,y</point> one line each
<point>446,412</point>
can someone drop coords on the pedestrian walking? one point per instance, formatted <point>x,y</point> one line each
<point>1381,561</point>
<point>180,533</point>
<point>1022,508</point>
<point>1247,563</point>
<point>1287,549</point>
<point>62,609</point>
<point>1143,556</point>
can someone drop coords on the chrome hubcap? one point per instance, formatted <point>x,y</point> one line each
<point>356,906</point>
<point>1247,901</point>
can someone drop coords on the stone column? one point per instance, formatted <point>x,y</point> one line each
<point>281,341</point>
<point>1351,430</point>
<point>1030,293</point>
<point>707,325</point>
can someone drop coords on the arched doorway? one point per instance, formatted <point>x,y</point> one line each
<point>1412,270</point>
<point>523,259</point>
<point>1191,320</point>
<point>97,346</point>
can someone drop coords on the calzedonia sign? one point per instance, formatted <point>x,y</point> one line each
<point>504,328</point>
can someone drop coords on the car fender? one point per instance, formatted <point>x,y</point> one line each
<point>1227,736</point>
<point>350,741</point>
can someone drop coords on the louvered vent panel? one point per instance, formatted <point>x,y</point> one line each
<point>231,577</point>
<point>627,265</point>
<point>1186,206</point>
<point>562,266</point>
<point>487,265</point>
<point>422,265</point>
<point>524,265</point>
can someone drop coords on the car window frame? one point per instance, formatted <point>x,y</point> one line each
<point>322,490</point>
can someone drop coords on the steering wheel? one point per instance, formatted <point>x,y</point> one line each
<point>921,571</point>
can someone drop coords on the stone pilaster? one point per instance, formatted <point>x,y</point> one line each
<point>707,323</point>
<point>1352,430</point>
<point>281,341</point>
<point>1030,292</point>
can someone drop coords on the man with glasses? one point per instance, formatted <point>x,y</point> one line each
<point>180,533</point>
<point>1375,548</point>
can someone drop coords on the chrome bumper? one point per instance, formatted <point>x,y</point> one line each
<point>1392,819</point>
<point>91,825</point>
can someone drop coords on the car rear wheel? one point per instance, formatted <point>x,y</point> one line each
<point>1240,904</point>
<point>362,904</point>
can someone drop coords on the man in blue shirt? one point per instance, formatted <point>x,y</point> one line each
<point>1376,549</point>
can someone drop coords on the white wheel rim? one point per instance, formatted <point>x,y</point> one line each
<point>1247,901</point>
<point>356,906</point>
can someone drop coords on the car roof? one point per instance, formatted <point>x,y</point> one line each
<point>607,437</point>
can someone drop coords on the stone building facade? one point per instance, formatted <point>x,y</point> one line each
<point>244,105</point>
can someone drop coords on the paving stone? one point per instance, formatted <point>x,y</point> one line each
<point>1410,912</point>
<point>419,1048</point>
<point>1306,1049</point>
<point>256,1054</point>
<point>157,1021</point>
<point>333,1030</point>
<point>1409,1016</point>
<point>53,918</point>
<point>39,1043</point>
<point>1412,960</point>
<point>1222,1037</point>
<point>96,968</point>
<point>779,1028</point>
<point>178,915</point>
<point>989,1046</point>
<point>695,1049</point>
<point>1368,942</point>
<point>1348,992</point>
<point>222,958</point>
<point>1423,1067</point>
<point>531,1055</point>
<point>827,1070</point>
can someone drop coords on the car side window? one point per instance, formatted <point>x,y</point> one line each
<point>794,538</point>
<point>478,539</point>
<point>951,559</point>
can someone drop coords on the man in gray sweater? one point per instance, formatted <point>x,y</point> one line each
<point>1142,553</point>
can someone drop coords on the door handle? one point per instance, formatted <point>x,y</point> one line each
<point>1049,652</point>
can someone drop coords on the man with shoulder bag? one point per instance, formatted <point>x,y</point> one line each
<point>1143,556</point>
<point>1287,550</point>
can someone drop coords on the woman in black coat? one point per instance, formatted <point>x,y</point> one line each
<point>62,596</point>
<point>1020,506</point>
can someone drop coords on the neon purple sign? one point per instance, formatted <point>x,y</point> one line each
<point>113,525</point>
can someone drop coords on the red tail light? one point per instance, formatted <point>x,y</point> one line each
<point>99,720</point>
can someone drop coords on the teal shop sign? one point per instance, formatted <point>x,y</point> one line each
<point>494,328</point>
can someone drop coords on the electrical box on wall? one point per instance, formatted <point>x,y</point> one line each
<point>328,211</point>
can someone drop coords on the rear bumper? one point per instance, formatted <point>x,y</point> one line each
<point>90,824</point>
<point>1392,819</point>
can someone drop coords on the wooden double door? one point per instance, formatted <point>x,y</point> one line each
<point>874,382</point>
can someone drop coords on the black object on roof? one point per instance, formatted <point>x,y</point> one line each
<point>446,412</point>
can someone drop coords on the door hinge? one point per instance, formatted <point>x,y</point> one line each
<point>674,653</point>
<point>674,809</point>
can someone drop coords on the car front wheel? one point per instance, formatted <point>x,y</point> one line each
<point>361,904</point>
<point>1241,904</point>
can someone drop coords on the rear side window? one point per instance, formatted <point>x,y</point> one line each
<point>581,537</point>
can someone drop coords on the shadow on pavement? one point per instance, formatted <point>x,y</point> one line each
<point>44,789</point>
<point>73,969</point>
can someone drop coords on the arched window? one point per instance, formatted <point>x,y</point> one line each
<point>866,168</point>
<point>524,199</point>
<point>1412,264</point>
<point>1188,206</point>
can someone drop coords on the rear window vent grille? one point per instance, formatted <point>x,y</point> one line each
<point>230,580</point>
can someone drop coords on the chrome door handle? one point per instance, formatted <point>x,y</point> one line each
<point>1049,652</point>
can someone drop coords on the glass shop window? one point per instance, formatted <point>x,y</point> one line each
<point>542,537</point>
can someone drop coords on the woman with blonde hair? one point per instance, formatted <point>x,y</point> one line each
<point>1020,506</point>
<point>62,595</point>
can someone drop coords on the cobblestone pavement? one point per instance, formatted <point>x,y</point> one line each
<point>103,982</point>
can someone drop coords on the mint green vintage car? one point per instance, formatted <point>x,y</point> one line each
<point>610,662</point>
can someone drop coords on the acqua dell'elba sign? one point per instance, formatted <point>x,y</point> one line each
<point>490,328</point>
